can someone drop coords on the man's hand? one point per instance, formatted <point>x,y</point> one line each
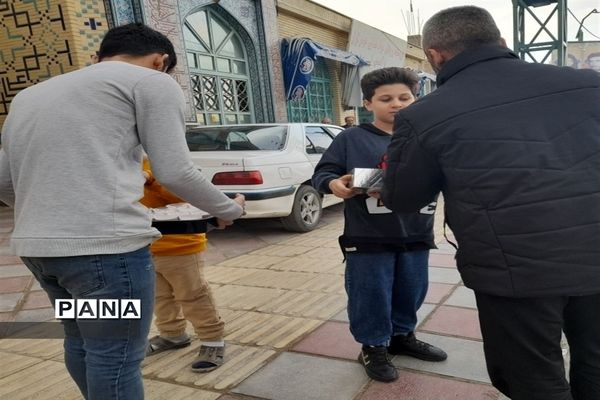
<point>340,187</point>
<point>222,224</point>
<point>241,200</point>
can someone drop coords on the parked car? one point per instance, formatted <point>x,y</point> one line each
<point>271,164</point>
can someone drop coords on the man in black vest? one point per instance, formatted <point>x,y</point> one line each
<point>515,149</point>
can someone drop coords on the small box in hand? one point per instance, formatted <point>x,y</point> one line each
<point>366,180</point>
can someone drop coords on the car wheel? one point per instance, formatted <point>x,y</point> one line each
<point>306,212</point>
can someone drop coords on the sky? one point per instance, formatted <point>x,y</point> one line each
<point>386,15</point>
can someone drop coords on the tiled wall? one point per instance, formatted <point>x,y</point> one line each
<point>43,38</point>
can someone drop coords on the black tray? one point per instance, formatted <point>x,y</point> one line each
<point>183,227</point>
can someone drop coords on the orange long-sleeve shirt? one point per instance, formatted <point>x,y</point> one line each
<point>155,195</point>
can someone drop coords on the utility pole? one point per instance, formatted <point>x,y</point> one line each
<point>547,38</point>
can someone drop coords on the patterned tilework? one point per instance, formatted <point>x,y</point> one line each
<point>122,12</point>
<point>163,16</point>
<point>43,38</point>
<point>271,34</point>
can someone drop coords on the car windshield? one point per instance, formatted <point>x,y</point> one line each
<point>235,137</point>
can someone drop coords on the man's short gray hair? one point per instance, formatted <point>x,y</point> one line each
<point>460,28</point>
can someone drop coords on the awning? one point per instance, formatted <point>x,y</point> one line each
<point>298,57</point>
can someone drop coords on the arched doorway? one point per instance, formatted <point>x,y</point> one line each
<point>219,69</point>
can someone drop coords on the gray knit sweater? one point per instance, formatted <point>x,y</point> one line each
<point>71,160</point>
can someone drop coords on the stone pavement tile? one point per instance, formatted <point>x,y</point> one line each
<point>240,362</point>
<point>37,299</point>
<point>40,348</point>
<point>342,316</point>
<point>15,284</point>
<point>12,363</point>
<point>252,261</point>
<point>331,339</point>
<point>245,297</point>
<point>444,248</point>
<point>6,317</point>
<point>46,380</point>
<point>222,274</point>
<point>270,330</point>
<point>281,251</point>
<point>10,260</point>
<point>443,275</point>
<point>454,321</point>
<point>234,242</point>
<point>325,235</point>
<point>300,377</point>
<point>276,279</point>
<point>237,397</point>
<point>424,312</point>
<point>213,256</point>
<point>155,390</point>
<point>465,359</point>
<point>35,285</point>
<point>305,264</point>
<point>325,253</point>
<point>305,304</point>
<point>37,315</point>
<point>327,283</point>
<point>5,251</point>
<point>9,301</point>
<point>442,260</point>
<point>9,271</point>
<point>462,297</point>
<point>311,242</point>
<point>437,292</point>
<point>413,386</point>
<point>267,231</point>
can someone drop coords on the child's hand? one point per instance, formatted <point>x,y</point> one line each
<point>222,224</point>
<point>340,187</point>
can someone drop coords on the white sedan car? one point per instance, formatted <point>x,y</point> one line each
<point>270,164</point>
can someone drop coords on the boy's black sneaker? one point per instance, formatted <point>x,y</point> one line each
<point>377,363</point>
<point>411,346</point>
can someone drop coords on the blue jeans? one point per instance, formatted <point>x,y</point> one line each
<point>103,356</point>
<point>385,290</point>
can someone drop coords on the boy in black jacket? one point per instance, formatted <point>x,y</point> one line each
<point>386,252</point>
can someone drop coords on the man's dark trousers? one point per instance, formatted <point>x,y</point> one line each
<point>522,345</point>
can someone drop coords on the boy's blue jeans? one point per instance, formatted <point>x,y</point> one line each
<point>385,290</point>
<point>102,356</point>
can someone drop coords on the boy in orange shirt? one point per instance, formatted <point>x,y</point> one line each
<point>182,292</point>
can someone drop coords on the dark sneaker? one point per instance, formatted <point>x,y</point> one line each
<point>209,358</point>
<point>158,344</point>
<point>409,345</point>
<point>377,363</point>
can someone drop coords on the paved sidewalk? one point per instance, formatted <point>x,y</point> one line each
<point>282,298</point>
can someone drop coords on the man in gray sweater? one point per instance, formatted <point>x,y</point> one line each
<point>71,167</point>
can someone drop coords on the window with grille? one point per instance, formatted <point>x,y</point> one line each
<point>218,66</point>
<point>317,102</point>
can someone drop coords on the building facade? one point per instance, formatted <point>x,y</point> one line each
<point>229,52</point>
